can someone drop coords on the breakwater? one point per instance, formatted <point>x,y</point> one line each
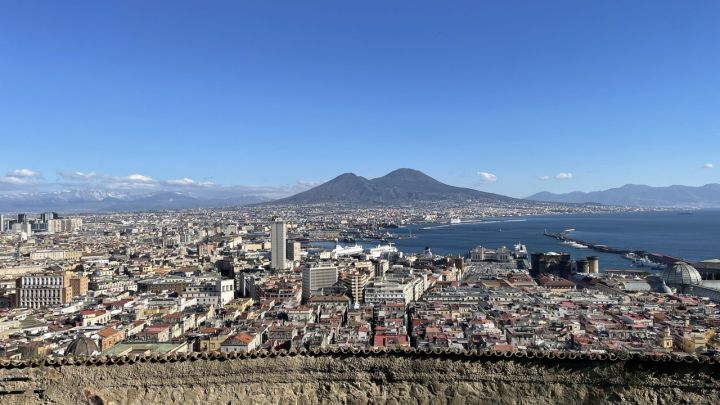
<point>653,256</point>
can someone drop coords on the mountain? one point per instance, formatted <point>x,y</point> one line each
<point>707,196</point>
<point>399,186</point>
<point>104,201</point>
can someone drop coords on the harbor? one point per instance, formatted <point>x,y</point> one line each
<point>641,258</point>
<point>610,237</point>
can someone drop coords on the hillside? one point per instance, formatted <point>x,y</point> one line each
<point>707,196</point>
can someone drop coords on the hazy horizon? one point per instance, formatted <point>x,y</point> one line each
<point>137,184</point>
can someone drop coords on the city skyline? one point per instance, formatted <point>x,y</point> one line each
<point>359,202</point>
<point>511,98</point>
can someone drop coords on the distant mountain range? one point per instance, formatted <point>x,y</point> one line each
<point>105,201</point>
<point>707,196</point>
<point>399,186</point>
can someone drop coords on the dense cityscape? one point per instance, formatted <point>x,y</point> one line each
<point>343,202</point>
<point>283,278</point>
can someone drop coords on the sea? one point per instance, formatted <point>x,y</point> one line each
<point>691,235</point>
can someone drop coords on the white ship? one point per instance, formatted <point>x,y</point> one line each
<point>378,251</point>
<point>346,250</point>
<point>645,262</point>
<point>574,244</point>
<point>630,256</point>
<point>455,220</point>
<point>520,251</point>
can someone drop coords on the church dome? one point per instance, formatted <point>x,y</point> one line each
<point>682,274</point>
<point>82,346</point>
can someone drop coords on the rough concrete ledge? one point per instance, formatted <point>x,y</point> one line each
<point>349,376</point>
<point>352,352</point>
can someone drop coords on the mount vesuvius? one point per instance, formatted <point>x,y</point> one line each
<point>397,187</point>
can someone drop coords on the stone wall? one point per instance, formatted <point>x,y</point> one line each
<point>342,377</point>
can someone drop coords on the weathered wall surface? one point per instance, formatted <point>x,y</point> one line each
<point>343,378</point>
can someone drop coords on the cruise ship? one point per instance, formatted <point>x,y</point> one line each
<point>378,251</point>
<point>455,220</point>
<point>521,251</point>
<point>346,250</point>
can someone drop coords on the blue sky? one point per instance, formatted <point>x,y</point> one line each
<point>287,93</point>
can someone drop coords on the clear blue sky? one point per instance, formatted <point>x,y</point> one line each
<point>280,92</point>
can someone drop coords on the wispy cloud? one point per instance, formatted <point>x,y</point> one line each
<point>139,178</point>
<point>138,183</point>
<point>23,173</point>
<point>94,179</point>
<point>487,177</point>
<point>708,166</point>
<point>309,183</point>
<point>77,176</point>
<point>564,176</point>
<point>543,178</point>
<point>185,181</point>
<point>13,180</point>
<point>20,177</point>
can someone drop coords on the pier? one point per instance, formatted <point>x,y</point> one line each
<point>655,257</point>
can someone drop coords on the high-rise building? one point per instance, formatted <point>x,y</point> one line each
<point>355,282</point>
<point>23,228</point>
<point>64,225</point>
<point>381,267</point>
<point>315,278</point>
<point>2,223</point>
<point>46,216</point>
<point>39,226</point>
<point>293,250</point>
<point>22,218</point>
<point>278,236</point>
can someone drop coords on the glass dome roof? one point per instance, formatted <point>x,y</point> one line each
<point>682,274</point>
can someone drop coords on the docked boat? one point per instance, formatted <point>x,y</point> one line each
<point>378,251</point>
<point>574,244</point>
<point>346,250</point>
<point>520,250</point>
<point>645,262</point>
<point>630,256</point>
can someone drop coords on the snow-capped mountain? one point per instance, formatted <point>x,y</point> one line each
<point>105,201</point>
